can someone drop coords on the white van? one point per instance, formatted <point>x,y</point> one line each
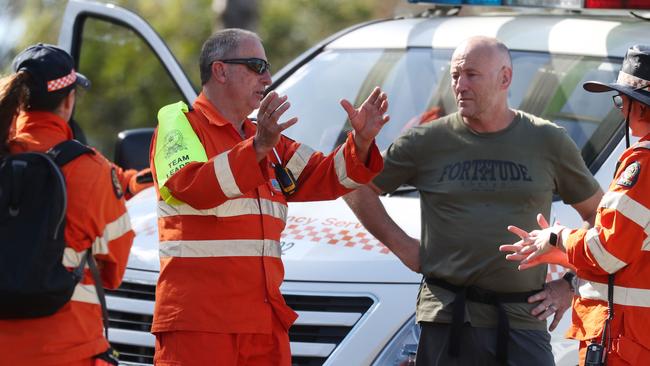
<point>356,301</point>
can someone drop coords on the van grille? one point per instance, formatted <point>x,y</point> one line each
<point>328,334</point>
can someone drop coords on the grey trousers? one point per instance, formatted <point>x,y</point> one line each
<point>478,347</point>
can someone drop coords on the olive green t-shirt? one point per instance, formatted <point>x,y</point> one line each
<point>472,186</point>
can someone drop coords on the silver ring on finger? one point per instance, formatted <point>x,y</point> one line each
<point>552,307</point>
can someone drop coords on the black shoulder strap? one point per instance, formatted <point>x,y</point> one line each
<point>67,151</point>
<point>62,154</point>
<point>99,287</point>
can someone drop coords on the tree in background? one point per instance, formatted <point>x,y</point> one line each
<point>109,55</point>
<point>289,27</point>
<point>239,14</point>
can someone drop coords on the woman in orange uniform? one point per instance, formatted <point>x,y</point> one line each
<point>36,103</point>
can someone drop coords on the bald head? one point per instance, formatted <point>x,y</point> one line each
<point>481,73</point>
<point>487,48</point>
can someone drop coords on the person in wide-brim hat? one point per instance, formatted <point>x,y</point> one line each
<point>611,259</point>
<point>633,87</point>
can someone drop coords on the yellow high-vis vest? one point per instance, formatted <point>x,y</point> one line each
<point>176,146</point>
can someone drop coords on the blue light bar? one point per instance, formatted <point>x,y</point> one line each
<point>459,2</point>
<point>482,2</point>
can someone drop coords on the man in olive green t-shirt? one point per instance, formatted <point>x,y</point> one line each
<point>478,171</point>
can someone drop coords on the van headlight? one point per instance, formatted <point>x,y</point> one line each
<point>401,349</point>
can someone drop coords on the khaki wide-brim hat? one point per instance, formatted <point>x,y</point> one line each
<point>633,79</point>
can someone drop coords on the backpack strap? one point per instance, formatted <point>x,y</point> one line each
<point>99,287</point>
<point>67,151</point>
<point>62,154</point>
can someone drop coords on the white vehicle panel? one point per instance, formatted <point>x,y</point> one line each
<point>554,34</point>
<point>389,35</point>
<point>394,303</point>
<point>324,241</point>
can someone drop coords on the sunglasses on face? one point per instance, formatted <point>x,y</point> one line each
<point>256,64</point>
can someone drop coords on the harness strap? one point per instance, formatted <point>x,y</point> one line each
<point>68,150</point>
<point>477,294</point>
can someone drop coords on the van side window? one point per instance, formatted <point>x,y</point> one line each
<point>550,86</point>
<point>129,84</point>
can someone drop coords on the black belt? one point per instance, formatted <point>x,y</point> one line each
<point>477,294</point>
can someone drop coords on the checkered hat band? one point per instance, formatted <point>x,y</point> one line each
<point>62,82</point>
<point>633,81</point>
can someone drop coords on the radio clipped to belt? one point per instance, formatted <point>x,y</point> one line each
<point>284,176</point>
<point>597,352</point>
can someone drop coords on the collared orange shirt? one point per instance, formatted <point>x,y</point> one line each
<point>220,256</point>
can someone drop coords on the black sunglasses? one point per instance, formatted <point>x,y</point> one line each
<point>256,64</point>
<point>618,101</point>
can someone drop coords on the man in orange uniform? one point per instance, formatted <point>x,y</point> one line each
<point>221,208</point>
<point>42,93</point>
<point>619,242</point>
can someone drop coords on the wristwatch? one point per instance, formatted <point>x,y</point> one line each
<point>554,237</point>
<point>571,278</point>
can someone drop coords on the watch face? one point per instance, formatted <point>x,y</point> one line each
<point>552,239</point>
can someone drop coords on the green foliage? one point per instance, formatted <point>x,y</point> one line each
<point>129,85</point>
<point>182,24</point>
<point>43,18</point>
<point>289,27</point>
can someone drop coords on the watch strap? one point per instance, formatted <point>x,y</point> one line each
<point>571,278</point>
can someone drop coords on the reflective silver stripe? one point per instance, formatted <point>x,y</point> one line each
<point>642,144</point>
<point>85,293</point>
<point>220,248</point>
<point>341,171</point>
<point>230,208</point>
<point>274,209</point>
<point>631,209</point>
<point>71,258</point>
<point>299,160</point>
<point>605,259</point>
<point>225,177</point>
<point>622,295</point>
<point>112,231</point>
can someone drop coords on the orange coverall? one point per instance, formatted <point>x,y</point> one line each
<point>619,243</point>
<point>220,251</point>
<point>96,218</point>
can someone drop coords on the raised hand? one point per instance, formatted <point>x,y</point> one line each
<point>268,129</point>
<point>534,248</point>
<point>369,118</point>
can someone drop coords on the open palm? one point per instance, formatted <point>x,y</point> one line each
<point>369,118</point>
